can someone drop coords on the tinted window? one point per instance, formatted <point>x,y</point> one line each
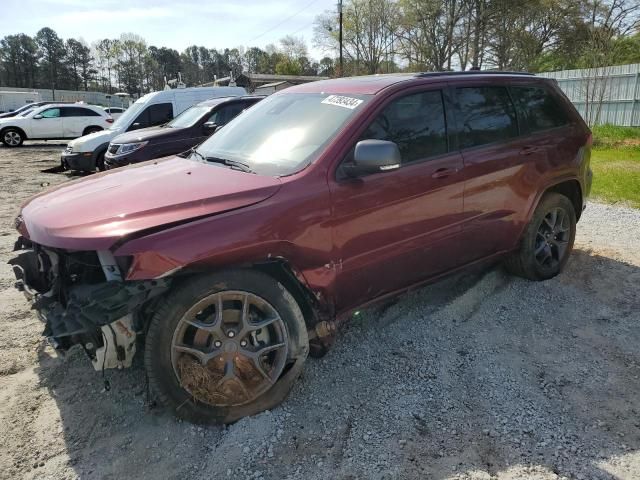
<point>227,113</point>
<point>539,110</point>
<point>154,115</point>
<point>486,116</point>
<point>51,113</point>
<point>416,123</point>
<point>78,112</point>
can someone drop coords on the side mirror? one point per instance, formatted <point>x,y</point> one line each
<point>37,117</point>
<point>134,126</point>
<point>209,127</point>
<point>374,156</point>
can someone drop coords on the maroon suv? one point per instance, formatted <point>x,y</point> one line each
<point>237,260</point>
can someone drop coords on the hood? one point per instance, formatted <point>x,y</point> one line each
<point>87,143</point>
<point>146,134</point>
<point>93,213</point>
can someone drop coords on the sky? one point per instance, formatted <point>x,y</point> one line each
<point>170,23</point>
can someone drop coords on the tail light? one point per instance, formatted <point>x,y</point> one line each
<point>590,139</point>
<point>109,120</point>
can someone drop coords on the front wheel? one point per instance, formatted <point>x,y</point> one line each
<point>12,137</point>
<point>547,241</point>
<point>224,346</point>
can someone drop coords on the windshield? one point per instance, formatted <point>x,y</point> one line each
<point>27,111</point>
<point>283,133</point>
<point>123,121</point>
<point>189,117</point>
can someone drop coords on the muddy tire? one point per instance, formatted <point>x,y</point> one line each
<point>12,137</point>
<point>224,346</point>
<point>547,241</point>
<point>100,162</point>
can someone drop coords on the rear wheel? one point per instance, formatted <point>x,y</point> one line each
<point>12,137</point>
<point>89,130</point>
<point>547,241</point>
<point>225,346</point>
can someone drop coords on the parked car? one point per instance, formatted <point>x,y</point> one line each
<point>53,121</point>
<point>115,112</point>
<point>156,108</point>
<point>24,108</point>
<point>325,197</point>
<point>188,129</point>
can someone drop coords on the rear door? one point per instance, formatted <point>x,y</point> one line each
<point>394,229</point>
<point>497,168</point>
<point>49,125</point>
<point>76,119</point>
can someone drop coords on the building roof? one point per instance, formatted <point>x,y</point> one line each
<point>274,84</point>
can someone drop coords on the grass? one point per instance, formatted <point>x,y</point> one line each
<point>615,161</point>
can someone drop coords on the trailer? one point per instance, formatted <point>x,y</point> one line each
<point>9,101</point>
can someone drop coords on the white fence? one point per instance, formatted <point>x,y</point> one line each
<point>604,94</point>
<point>92,98</point>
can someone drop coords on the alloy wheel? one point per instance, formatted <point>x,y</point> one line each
<point>229,348</point>
<point>12,138</point>
<point>552,238</point>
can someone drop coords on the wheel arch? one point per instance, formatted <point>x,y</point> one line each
<point>13,127</point>
<point>95,128</point>
<point>570,189</point>
<point>281,271</point>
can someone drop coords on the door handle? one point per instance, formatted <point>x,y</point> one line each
<point>529,150</point>
<point>444,172</point>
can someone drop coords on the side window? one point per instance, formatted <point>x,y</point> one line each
<point>160,113</point>
<point>78,112</point>
<point>153,115</point>
<point>416,123</point>
<point>51,113</point>
<point>226,114</point>
<point>486,115</point>
<point>539,109</point>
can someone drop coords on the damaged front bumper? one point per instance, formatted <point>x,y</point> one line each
<point>101,316</point>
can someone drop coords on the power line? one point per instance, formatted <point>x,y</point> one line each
<point>283,21</point>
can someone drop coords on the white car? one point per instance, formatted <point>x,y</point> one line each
<point>115,112</point>
<point>54,121</point>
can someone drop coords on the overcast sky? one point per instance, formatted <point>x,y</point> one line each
<point>170,23</point>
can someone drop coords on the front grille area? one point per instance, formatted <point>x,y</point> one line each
<point>113,148</point>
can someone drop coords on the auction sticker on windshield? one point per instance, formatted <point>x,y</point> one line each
<point>340,101</point>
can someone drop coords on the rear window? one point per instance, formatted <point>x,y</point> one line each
<point>539,110</point>
<point>486,116</point>
<point>78,112</point>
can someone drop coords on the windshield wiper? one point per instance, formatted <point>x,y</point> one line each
<point>195,152</point>
<point>231,163</point>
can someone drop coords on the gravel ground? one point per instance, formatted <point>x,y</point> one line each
<point>480,376</point>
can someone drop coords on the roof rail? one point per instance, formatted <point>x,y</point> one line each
<point>472,72</point>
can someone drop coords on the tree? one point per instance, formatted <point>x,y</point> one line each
<point>51,49</point>
<point>369,30</point>
<point>18,61</point>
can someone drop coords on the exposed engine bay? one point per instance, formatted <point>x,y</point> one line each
<point>82,299</point>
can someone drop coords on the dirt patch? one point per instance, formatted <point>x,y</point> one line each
<point>479,376</point>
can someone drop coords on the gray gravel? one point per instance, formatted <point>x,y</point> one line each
<point>480,376</point>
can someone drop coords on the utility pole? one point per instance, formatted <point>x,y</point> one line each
<point>340,38</point>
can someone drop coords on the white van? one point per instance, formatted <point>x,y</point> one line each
<point>156,108</point>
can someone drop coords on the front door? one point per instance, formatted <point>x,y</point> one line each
<point>49,126</point>
<point>394,229</point>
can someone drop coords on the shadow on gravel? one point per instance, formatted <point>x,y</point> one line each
<point>477,376</point>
